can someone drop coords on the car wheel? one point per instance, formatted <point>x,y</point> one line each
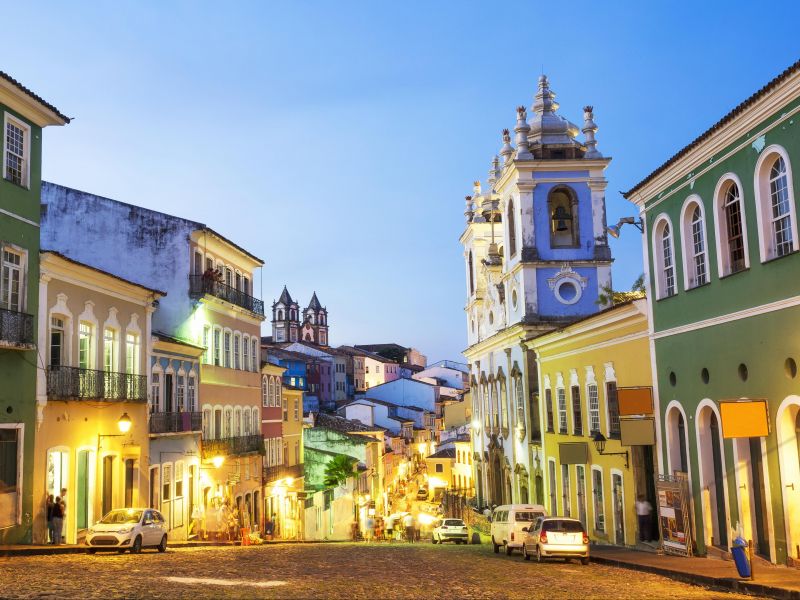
<point>509,550</point>
<point>525,554</point>
<point>539,557</point>
<point>91,551</point>
<point>433,538</point>
<point>137,545</point>
<point>585,560</point>
<point>496,546</point>
<point>162,547</point>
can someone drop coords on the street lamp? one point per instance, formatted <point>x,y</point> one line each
<point>217,461</point>
<point>613,231</point>
<point>124,423</point>
<point>600,445</point>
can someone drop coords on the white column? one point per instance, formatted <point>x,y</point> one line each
<point>41,371</point>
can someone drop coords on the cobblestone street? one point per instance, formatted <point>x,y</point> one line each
<point>328,571</point>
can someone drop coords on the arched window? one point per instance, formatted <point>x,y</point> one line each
<point>693,239</point>
<point>272,392</point>
<point>562,205</point>
<point>775,204</point>
<point>470,266</point>
<point>264,392</point>
<point>512,233</point>
<point>246,422</point>
<point>664,256</point>
<point>730,226</point>
<point>280,314</point>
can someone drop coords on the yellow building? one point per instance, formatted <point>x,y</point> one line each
<point>462,467</point>
<point>584,369</point>
<point>440,471</point>
<point>92,428</point>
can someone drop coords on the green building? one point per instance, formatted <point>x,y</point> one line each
<point>24,115</point>
<point>723,269</point>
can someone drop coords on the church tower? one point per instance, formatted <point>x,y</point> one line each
<point>285,318</point>
<point>536,257</point>
<point>315,323</point>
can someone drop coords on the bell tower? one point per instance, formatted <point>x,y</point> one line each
<point>285,318</point>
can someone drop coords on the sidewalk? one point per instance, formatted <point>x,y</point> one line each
<point>47,549</point>
<point>770,581</point>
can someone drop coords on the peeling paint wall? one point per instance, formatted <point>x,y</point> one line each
<point>144,246</point>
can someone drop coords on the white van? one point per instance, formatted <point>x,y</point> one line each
<point>508,521</point>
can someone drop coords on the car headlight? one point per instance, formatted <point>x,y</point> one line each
<point>125,530</point>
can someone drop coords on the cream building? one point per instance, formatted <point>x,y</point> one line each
<point>94,332</point>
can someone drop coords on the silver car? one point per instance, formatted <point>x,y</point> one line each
<point>128,529</point>
<point>556,537</point>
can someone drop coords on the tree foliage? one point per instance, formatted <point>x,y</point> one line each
<point>610,297</point>
<point>338,470</point>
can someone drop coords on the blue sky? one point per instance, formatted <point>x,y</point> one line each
<point>337,140</point>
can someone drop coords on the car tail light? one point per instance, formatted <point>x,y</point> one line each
<point>585,538</point>
<point>543,537</point>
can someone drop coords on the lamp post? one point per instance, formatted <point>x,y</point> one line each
<point>613,230</point>
<point>123,424</point>
<point>600,445</point>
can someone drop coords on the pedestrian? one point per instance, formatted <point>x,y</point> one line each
<point>197,521</point>
<point>408,524</point>
<point>269,528</point>
<point>369,530</point>
<point>58,520</point>
<point>389,528</point>
<point>246,526</point>
<point>644,511</point>
<point>487,512</point>
<point>64,511</point>
<point>49,511</point>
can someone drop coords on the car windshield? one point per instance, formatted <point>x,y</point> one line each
<point>453,523</point>
<point>563,526</point>
<point>118,517</point>
<point>527,517</point>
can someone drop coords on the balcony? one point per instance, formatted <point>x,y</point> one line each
<point>72,383</point>
<point>176,422</point>
<point>200,285</point>
<point>244,444</point>
<point>16,329</point>
<point>276,472</point>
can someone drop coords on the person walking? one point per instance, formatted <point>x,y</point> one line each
<point>63,534</point>
<point>644,511</point>
<point>49,511</point>
<point>58,520</point>
<point>370,528</point>
<point>269,528</point>
<point>408,524</point>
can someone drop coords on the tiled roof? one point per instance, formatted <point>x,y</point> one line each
<point>444,453</point>
<point>173,340</point>
<point>28,92</point>
<point>717,126</point>
<point>341,424</point>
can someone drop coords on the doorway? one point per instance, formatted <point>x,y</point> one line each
<point>712,482</point>
<point>580,475</point>
<point>618,500</point>
<point>108,484</point>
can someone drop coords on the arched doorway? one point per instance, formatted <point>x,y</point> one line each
<point>712,477</point>
<point>676,440</point>
<point>788,433</point>
<point>497,480</point>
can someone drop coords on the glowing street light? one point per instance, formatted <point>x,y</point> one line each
<point>217,461</point>
<point>124,423</point>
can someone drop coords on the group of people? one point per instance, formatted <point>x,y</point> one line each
<point>56,513</point>
<point>224,522</point>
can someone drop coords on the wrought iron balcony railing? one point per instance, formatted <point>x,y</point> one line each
<point>16,329</point>
<point>243,444</point>
<point>72,383</point>
<point>200,285</point>
<point>276,472</point>
<point>176,422</point>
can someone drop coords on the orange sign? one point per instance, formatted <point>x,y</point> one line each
<point>635,401</point>
<point>744,418</point>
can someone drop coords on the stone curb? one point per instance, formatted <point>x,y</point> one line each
<point>724,583</point>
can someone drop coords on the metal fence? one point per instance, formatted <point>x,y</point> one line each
<point>176,422</point>
<point>16,327</point>
<point>73,383</point>
<point>243,444</point>
<point>202,284</point>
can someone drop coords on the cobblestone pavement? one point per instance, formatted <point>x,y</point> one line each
<point>328,571</point>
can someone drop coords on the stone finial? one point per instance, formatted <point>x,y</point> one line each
<point>496,167</point>
<point>468,212</point>
<point>476,188</point>
<point>522,129</point>
<point>589,130</point>
<point>507,151</point>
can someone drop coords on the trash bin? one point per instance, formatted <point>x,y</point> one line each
<point>739,551</point>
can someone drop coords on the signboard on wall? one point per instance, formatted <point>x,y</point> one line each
<point>635,401</point>
<point>637,432</point>
<point>673,514</point>
<point>573,453</point>
<point>744,418</point>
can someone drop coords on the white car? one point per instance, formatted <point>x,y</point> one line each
<point>509,522</point>
<point>556,537</point>
<point>450,530</point>
<point>128,529</point>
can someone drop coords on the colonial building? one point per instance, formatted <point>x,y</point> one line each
<point>592,472</point>
<point>209,281</point>
<point>287,326</point>
<point>24,116</point>
<point>721,254</point>
<point>91,426</point>
<point>536,257</point>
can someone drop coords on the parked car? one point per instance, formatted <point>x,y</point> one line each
<point>508,522</point>
<point>128,529</point>
<point>556,537</point>
<point>422,493</point>
<point>450,530</point>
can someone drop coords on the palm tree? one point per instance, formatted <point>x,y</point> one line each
<point>611,297</point>
<point>338,470</point>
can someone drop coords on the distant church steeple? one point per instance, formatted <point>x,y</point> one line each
<point>315,322</point>
<point>285,318</point>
